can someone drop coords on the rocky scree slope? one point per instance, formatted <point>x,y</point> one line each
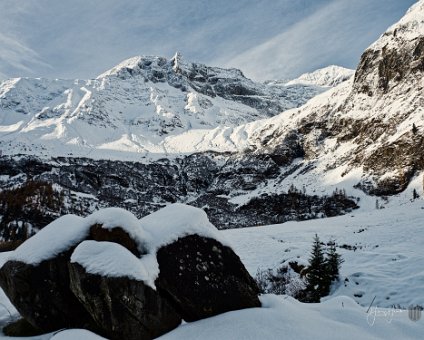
<point>210,181</point>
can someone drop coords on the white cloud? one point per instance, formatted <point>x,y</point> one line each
<point>16,56</point>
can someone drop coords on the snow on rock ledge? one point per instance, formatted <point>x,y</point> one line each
<point>167,225</point>
<point>69,230</point>
<point>111,218</point>
<point>57,237</point>
<point>109,259</point>
<point>175,221</point>
<point>150,233</point>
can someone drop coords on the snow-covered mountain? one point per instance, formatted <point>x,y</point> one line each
<point>133,106</point>
<point>309,85</point>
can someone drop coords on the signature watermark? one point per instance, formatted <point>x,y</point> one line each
<point>386,313</point>
<point>414,313</point>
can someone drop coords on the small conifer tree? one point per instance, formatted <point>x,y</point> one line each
<point>414,129</point>
<point>318,281</point>
<point>415,194</point>
<point>334,261</point>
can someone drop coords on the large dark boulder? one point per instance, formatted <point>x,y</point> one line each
<point>122,307</point>
<point>204,278</point>
<point>41,294</point>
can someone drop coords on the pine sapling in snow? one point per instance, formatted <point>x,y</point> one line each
<point>323,269</point>
<point>334,261</point>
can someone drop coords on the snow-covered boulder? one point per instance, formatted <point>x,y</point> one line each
<point>197,269</point>
<point>36,278</point>
<point>36,275</point>
<point>127,278</point>
<point>118,226</point>
<point>109,281</point>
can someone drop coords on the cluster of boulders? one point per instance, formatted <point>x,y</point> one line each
<point>97,280</point>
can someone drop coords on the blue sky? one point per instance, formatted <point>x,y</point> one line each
<point>267,39</point>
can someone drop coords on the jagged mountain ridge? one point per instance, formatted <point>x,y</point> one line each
<point>134,106</point>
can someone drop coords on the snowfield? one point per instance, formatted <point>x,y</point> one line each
<point>383,253</point>
<point>386,263</point>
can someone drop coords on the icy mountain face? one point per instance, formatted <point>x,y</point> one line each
<point>309,85</point>
<point>229,84</point>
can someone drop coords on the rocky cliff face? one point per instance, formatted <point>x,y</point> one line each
<point>396,58</point>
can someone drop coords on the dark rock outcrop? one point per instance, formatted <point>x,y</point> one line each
<point>204,278</point>
<point>100,282</point>
<point>208,180</point>
<point>389,66</point>
<point>21,328</point>
<point>116,235</point>
<point>123,308</point>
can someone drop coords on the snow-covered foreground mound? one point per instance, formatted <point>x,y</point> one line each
<point>386,264</point>
<point>285,318</point>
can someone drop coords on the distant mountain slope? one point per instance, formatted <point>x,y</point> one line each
<point>367,131</point>
<point>327,77</point>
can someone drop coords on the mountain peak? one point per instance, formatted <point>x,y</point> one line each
<point>329,76</point>
<point>398,55</point>
<point>134,65</point>
<point>176,61</point>
<point>137,104</point>
<point>408,28</point>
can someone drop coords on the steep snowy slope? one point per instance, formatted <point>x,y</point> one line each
<point>309,85</point>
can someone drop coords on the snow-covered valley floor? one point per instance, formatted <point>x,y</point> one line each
<point>386,265</point>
